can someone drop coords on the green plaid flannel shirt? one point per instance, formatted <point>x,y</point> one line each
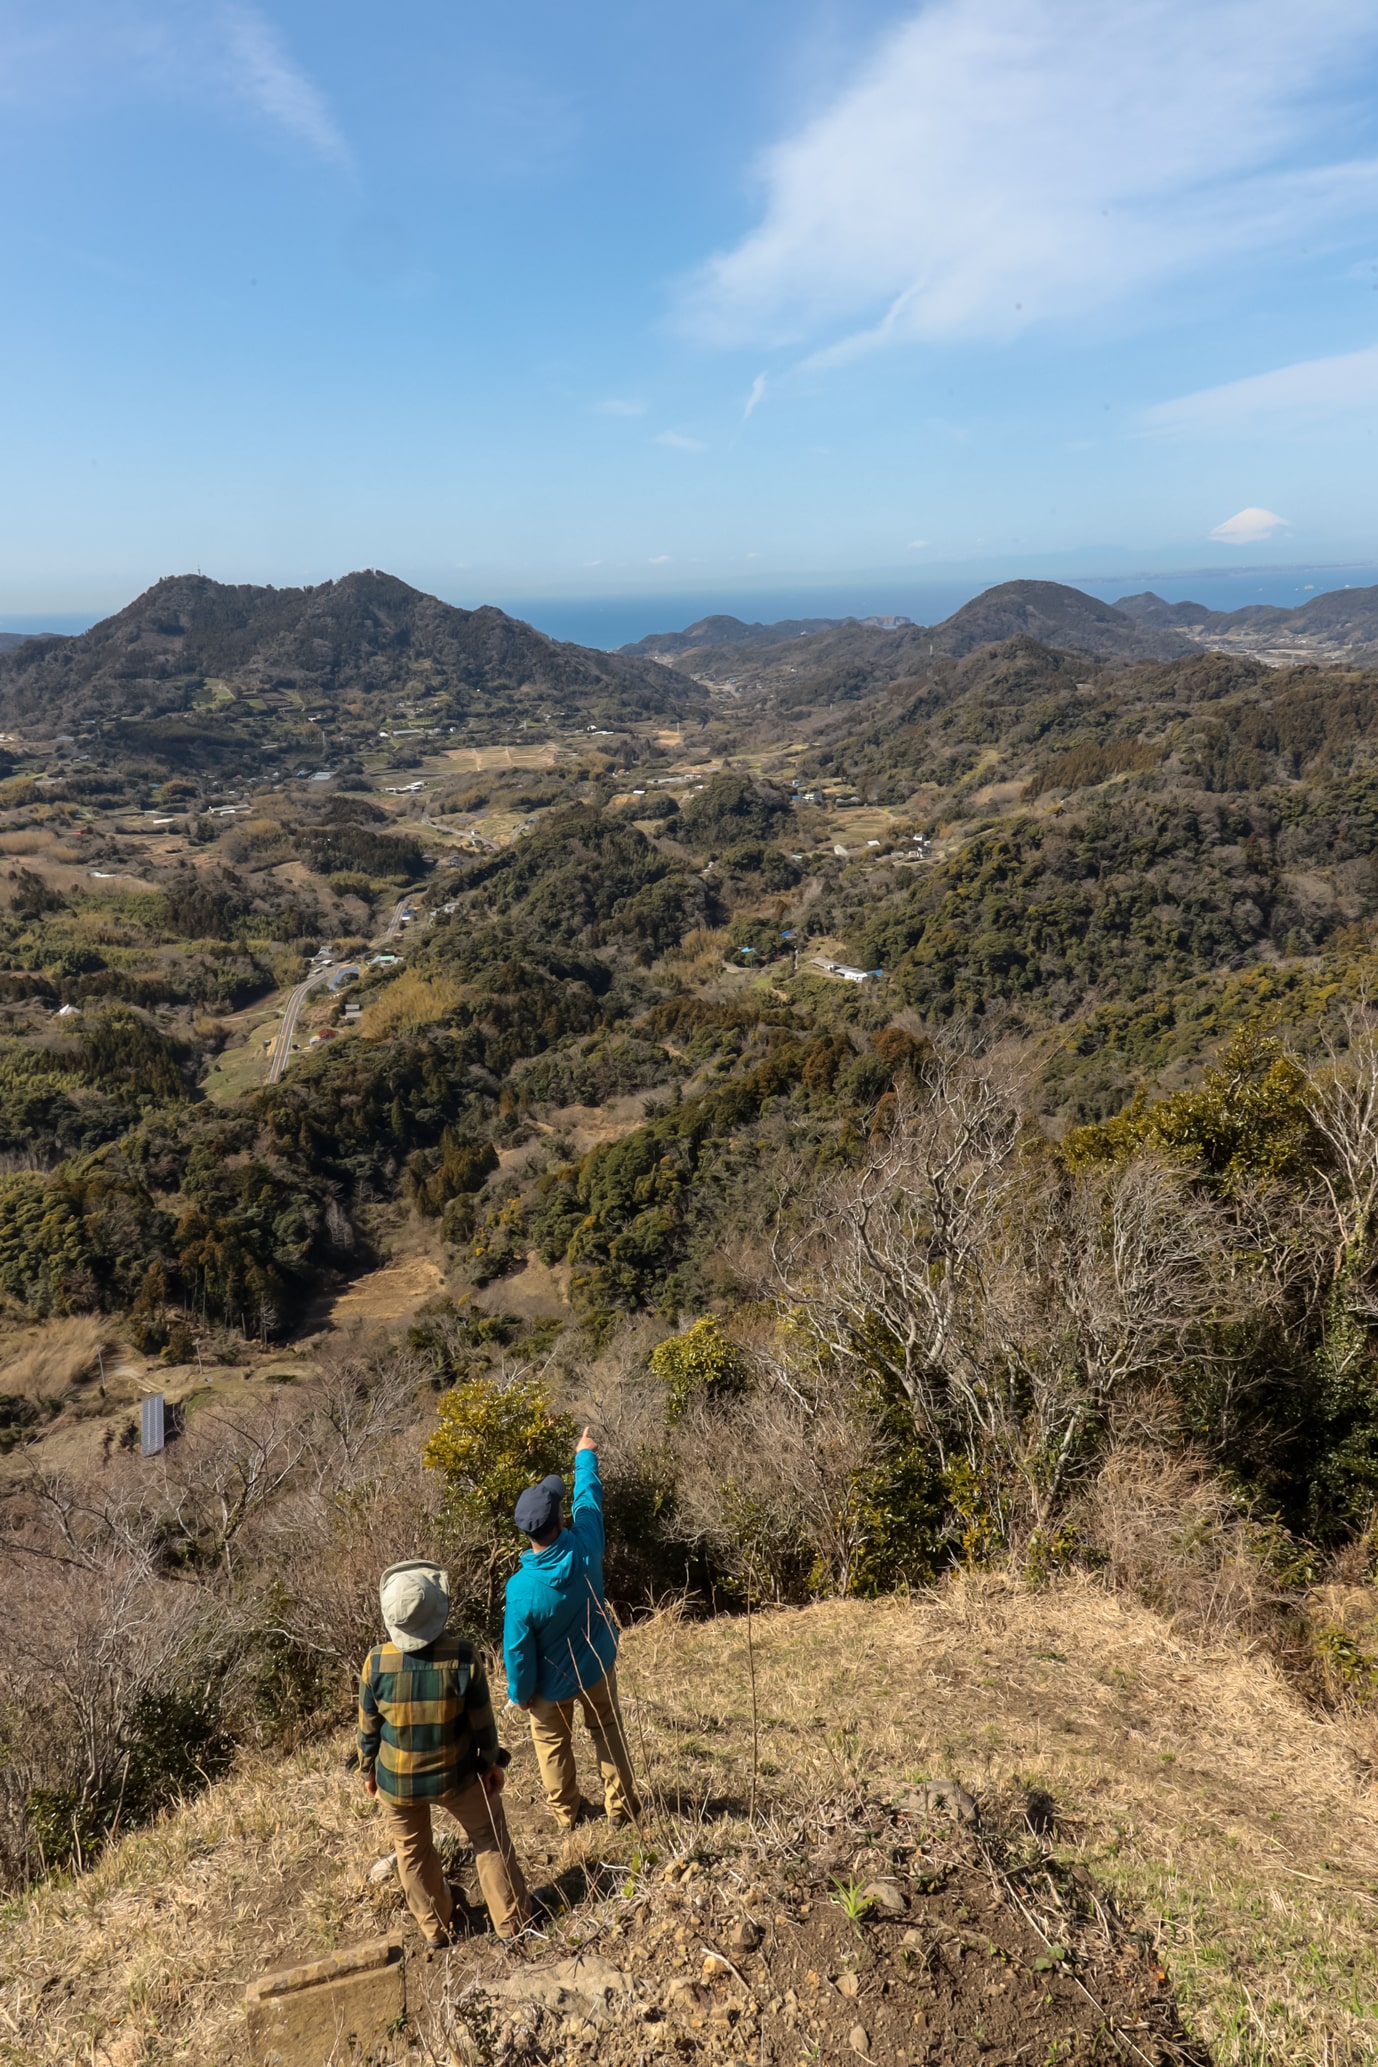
<point>426,1721</point>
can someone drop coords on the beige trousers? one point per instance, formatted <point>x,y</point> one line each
<point>481,1818</point>
<point>552,1733</point>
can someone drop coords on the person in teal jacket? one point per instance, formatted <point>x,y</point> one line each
<point>560,1642</point>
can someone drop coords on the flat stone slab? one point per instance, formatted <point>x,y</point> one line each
<point>305,2016</point>
<point>581,1984</point>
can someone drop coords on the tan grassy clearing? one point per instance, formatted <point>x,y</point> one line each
<point>588,1126</point>
<point>698,956</point>
<point>1239,1824</point>
<point>239,1069</point>
<point>475,760</point>
<point>868,822</point>
<point>390,1294</point>
<point>538,1291</point>
<point>410,1001</point>
<point>1232,1820</point>
<point>47,1361</point>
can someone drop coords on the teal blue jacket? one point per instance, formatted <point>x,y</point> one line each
<point>557,1633</point>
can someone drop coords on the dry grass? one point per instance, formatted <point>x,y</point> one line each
<point>699,956</point>
<point>47,1361</point>
<point>390,1294</point>
<point>1234,1823</point>
<point>409,1002</point>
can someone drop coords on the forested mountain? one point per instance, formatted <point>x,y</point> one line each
<point>1057,616</point>
<point>1342,624</point>
<point>368,637</point>
<point>722,630</point>
<point>817,650</point>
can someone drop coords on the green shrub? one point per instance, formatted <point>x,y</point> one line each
<point>489,1444</point>
<point>699,1364</point>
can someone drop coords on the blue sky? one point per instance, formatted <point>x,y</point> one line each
<point>588,302</point>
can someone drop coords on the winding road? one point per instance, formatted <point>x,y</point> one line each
<point>280,1053</point>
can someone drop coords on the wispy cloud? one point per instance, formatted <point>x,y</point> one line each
<point>615,407</point>
<point>263,74</point>
<point>758,388</point>
<point>659,560</point>
<point>1249,527</point>
<point>998,163</point>
<point>1306,392</point>
<point>678,442</point>
<point>225,50</point>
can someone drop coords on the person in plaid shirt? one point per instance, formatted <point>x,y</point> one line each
<point>428,1740</point>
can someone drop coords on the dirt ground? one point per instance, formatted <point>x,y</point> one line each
<point>876,1930</point>
<point>1151,1806</point>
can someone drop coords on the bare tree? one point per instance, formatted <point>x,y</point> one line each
<point>1342,1098</point>
<point>1009,1302</point>
<point>771,1487</point>
<point>897,1253</point>
<point>1094,1285</point>
<point>363,1401</point>
<point>226,1470</point>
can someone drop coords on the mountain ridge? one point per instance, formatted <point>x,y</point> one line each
<point>1336,625</point>
<point>1051,612</point>
<point>367,633</point>
<point>720,629</point>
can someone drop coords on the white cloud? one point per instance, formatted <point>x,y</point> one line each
<point>678,442</point>
<point>998,163</point>
<point>758,388</point>
<point>1311,389</point>
<point>84,50</point>
<point>918,545</point>
<point>618,408</point>
<point>1249,527</point>
<point>659,560</point>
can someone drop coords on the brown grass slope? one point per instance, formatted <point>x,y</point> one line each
<point>1231,1823</point>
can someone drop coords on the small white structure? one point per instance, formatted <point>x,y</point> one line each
<point>844,970</point>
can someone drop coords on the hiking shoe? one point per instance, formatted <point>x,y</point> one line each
<point>585,1813</point>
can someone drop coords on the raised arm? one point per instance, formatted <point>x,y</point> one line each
<point>586,1508</point>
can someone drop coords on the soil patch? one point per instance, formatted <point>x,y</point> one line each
<point>877,1932</point>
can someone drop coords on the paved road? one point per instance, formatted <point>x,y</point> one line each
<point>394,925</point>
<point>281,1053</point>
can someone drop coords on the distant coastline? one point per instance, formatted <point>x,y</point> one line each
<point>608,622</point>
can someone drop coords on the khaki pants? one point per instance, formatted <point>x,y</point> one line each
<point>552,1733</point>
<point>481,1818</point>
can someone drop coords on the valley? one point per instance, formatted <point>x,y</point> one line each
<point>912,1088</point>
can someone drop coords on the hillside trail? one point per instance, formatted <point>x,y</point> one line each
<point>1176,1854</point>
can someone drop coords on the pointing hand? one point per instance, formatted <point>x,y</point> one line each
<point>587,1441</point>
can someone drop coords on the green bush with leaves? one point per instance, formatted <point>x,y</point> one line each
<point>700,1364</point>
<point>491,1441</point>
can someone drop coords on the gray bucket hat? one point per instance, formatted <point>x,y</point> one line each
<point>415,1600</point>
